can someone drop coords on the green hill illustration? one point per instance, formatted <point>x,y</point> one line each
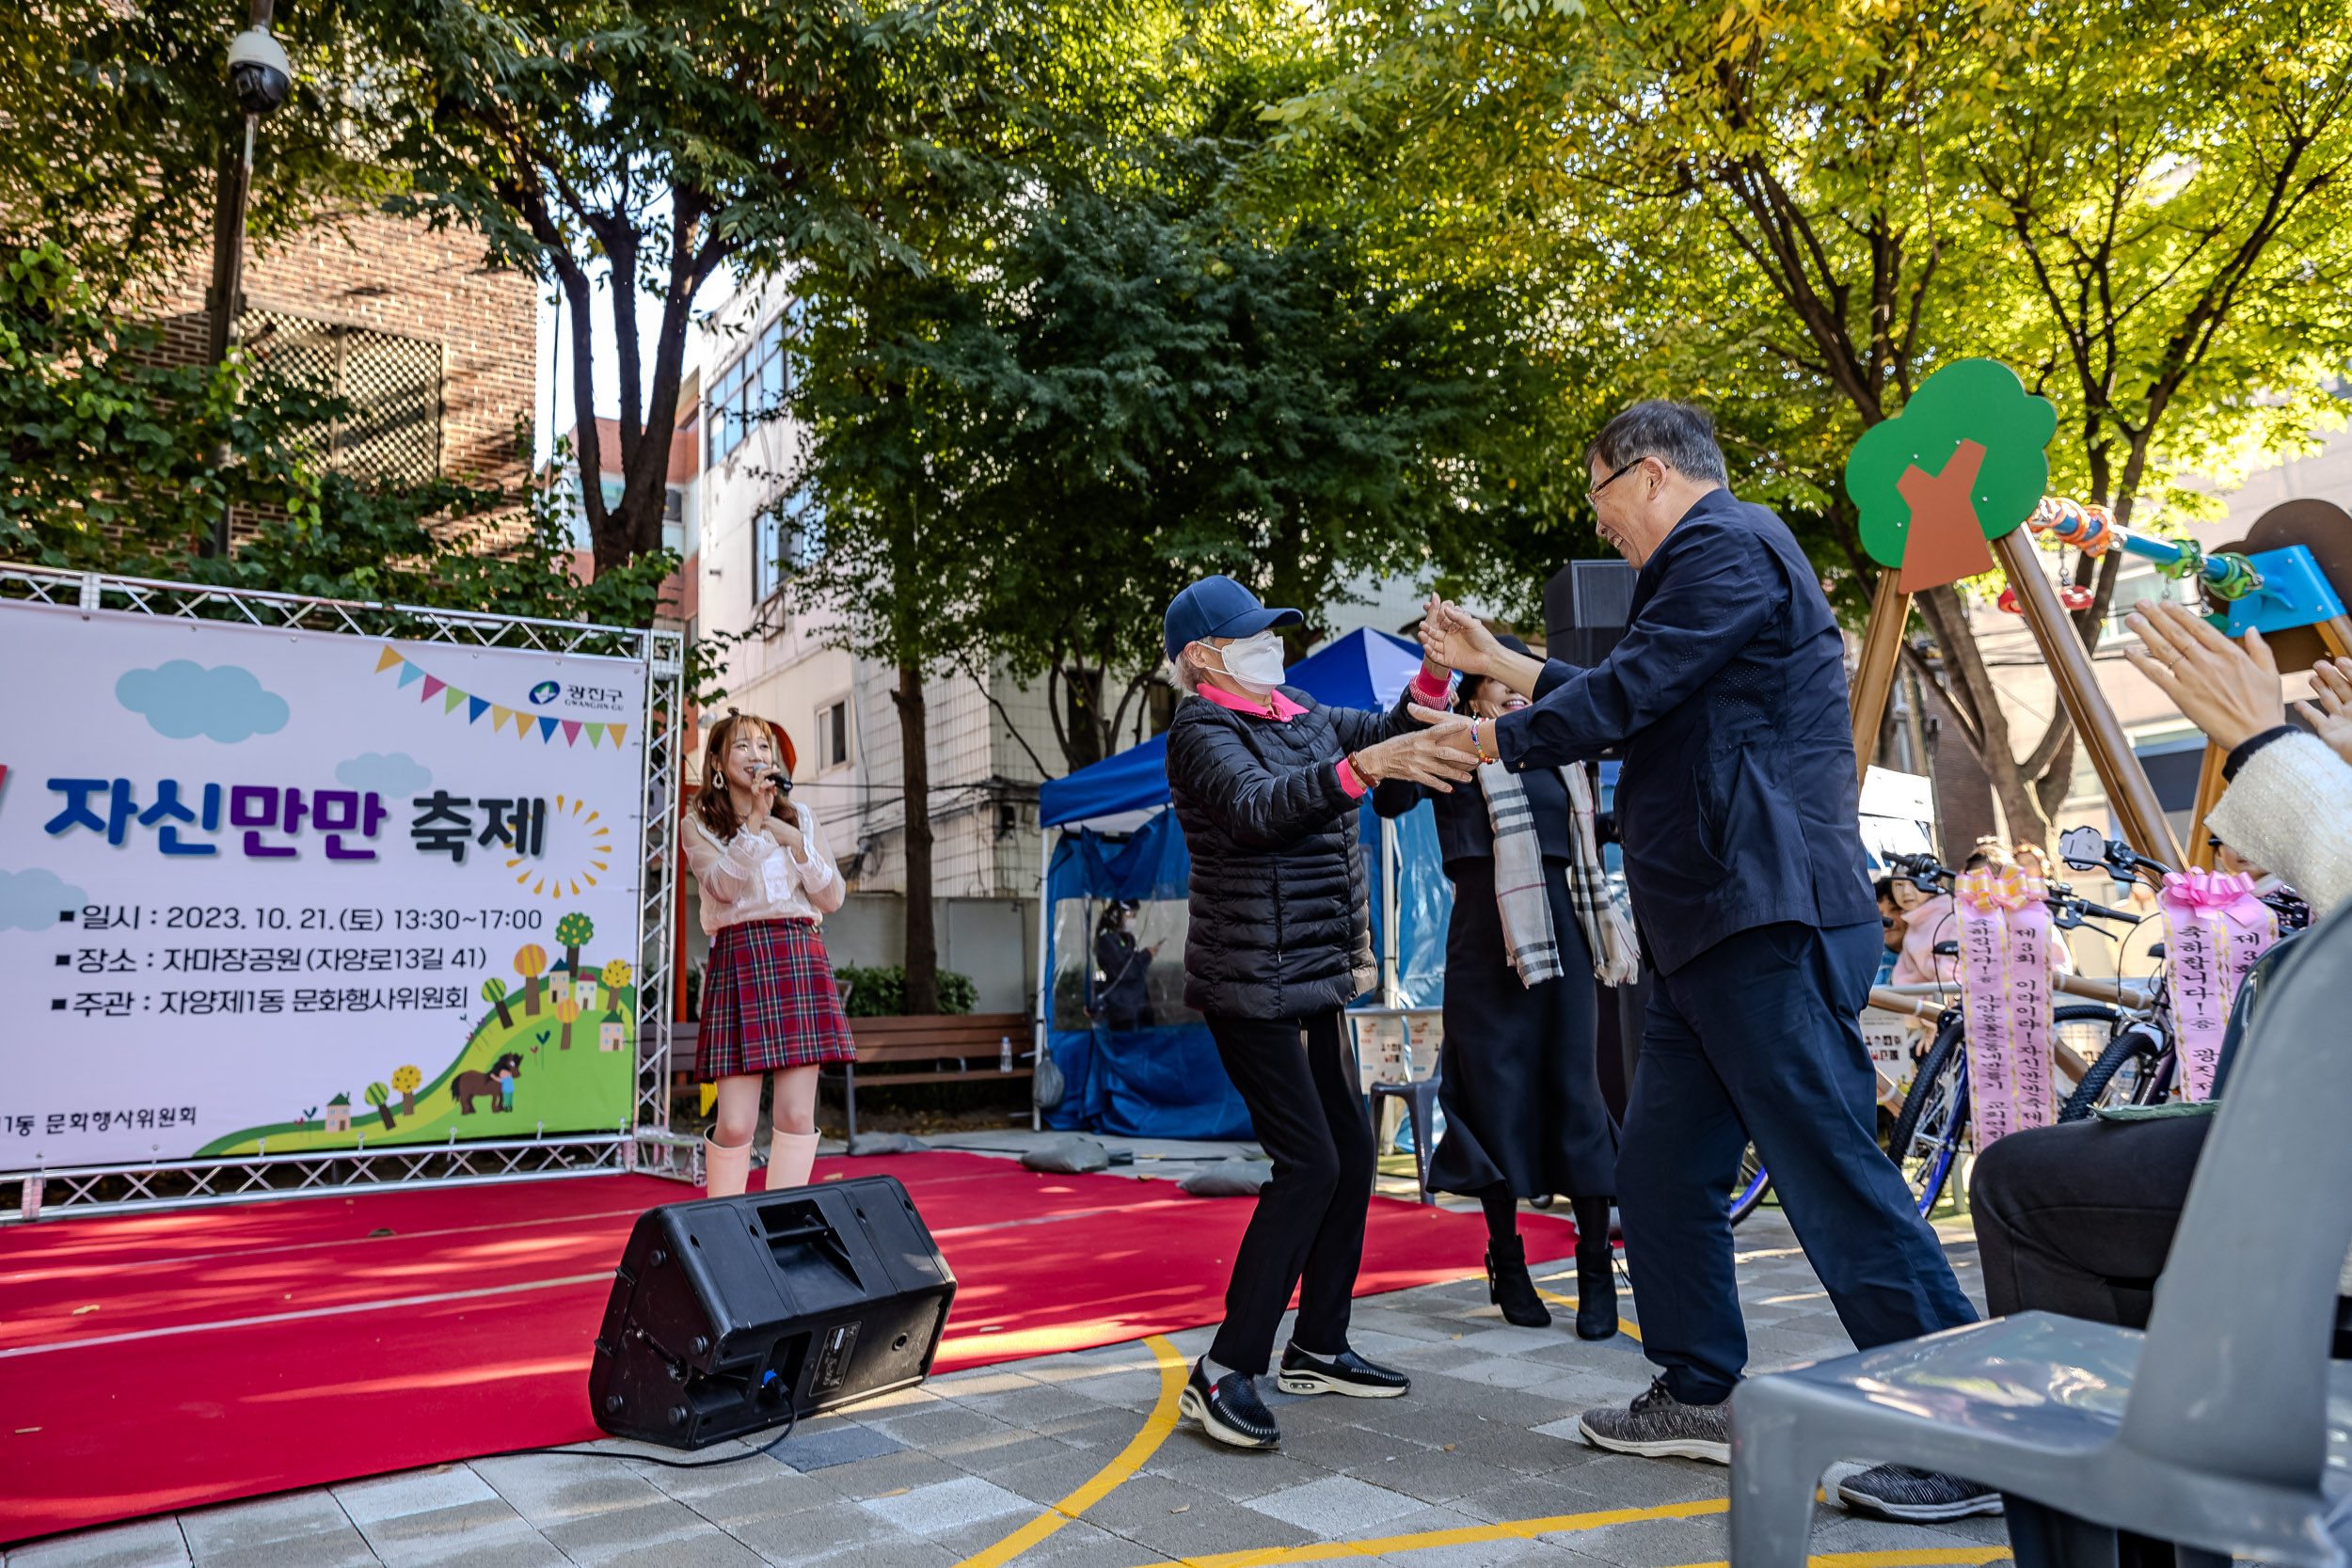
<point>522,1069</point>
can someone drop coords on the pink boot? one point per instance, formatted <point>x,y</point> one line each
<point>790,1158</point>
<point>725,1171</point>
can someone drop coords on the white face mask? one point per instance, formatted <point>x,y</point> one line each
<point>1255,663</point>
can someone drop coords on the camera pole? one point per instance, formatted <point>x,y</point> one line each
<point>225,300</point>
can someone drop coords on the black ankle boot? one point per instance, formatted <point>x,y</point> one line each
<point>1508,1287</point>
<point>1596,1271</point>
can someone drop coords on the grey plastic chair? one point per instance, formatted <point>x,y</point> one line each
<point>2212,1430</point>
<point>1421,1104</point>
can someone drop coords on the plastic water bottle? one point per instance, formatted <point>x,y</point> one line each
<point>1004,1053</point>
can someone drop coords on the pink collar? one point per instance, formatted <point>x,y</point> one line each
<point>1285,710</point>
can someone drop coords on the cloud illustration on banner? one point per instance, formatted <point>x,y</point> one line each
<point>183,699</point>
<point>33,900</point>
<point>397,774</point>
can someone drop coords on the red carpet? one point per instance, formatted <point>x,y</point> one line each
<point>165,1361</point>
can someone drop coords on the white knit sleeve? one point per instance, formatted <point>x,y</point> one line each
<point>2289,810</point>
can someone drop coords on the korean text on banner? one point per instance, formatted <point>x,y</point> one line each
<point>2005,996</point>
<point>2214,930</point>
<point>284,891</point>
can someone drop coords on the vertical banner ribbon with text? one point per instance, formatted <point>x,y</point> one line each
<point>2005,995</point>
<point>2214,930</point>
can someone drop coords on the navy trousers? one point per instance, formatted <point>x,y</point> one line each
<point>1757,1038</point>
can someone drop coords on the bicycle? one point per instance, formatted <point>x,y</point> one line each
<point>1934,1123</point>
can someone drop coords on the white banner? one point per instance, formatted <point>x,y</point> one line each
<point>275,892</point>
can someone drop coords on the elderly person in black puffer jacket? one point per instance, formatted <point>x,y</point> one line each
<point>1267,785</point>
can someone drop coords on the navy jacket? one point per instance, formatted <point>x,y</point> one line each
<point>1736,805</point>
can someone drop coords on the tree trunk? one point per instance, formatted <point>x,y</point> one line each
<point>2023,812</point>
<point>922,962</point>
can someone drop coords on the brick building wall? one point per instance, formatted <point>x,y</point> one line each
<point>429,291</point>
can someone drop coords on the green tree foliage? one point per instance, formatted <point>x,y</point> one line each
<point>1794,212</point>
<point>879,990</point>
<point>645,144</point>
<point>108,467</point>
<point>115,120</point>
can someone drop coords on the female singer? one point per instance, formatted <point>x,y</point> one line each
<point>768,1002</point>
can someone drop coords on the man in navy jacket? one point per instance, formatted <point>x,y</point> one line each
<point>1736,807</point>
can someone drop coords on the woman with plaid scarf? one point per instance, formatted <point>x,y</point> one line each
<point>769,1005</point>
<point>1533,927</point>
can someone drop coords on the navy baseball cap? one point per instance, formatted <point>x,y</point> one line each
<point>1219,607</point>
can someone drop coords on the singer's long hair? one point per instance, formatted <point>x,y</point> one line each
<point>714,803</point>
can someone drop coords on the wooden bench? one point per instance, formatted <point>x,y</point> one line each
<point>963,1041</point>
<point>960,1049</point>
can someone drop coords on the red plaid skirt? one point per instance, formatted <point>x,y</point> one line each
<point>769,1002</point>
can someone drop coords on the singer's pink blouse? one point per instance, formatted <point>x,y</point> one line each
<point>751,877</point>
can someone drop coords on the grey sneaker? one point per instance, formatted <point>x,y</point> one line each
<point>1915,1496</point>
<point>1657,1425</point>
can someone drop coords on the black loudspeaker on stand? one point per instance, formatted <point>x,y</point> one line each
<point>729,1314</point>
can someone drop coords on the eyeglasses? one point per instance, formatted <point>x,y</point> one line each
<point>1594,494</point>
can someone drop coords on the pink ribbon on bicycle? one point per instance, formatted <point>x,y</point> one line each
<point>2214,930</point>
<point>2004,997</point>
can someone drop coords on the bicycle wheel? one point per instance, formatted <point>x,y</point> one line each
<point>1925,1144</point>
<point>1749,1187</point>
<point>2123,1070</point>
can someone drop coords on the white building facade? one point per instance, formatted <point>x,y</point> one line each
<point>840,709</point>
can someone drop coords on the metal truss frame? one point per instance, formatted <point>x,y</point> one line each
<point>649,1147</point>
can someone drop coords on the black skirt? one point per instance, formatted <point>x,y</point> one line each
<point>1521,1096</point>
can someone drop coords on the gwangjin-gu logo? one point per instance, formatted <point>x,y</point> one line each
<point>545,692</point>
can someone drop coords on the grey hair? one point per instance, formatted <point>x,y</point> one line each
<point>1188,677</point>
<point>1676,433</point>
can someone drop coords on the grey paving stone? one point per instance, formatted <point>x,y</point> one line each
<point>425,1536</point>
<point>1048,1478</point>
<point>814,1533</point>
<point>904,1553</point>
<point>755,1490</point>
<point>519,1552</point>
<point>412,1492</point>
<point>901,1471</point>
<point>344,1548</point>
<point>247,1526</point>
<point>1170,1520</point>
<point>1645,1543</point>
<point>1080,1545</point>
<point>947,1505</point>
<point>1235,1475</point>
<point>604,1534</point>
<point>710,1548</point>
<point>934,1428</point>
<point>149,1544</point>
<point>1334,1505</point>
<point>842,1445</point>
<point>546,1487</point>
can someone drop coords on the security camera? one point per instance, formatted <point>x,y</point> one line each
<point>258,71</point>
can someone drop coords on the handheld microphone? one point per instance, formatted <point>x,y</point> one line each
<point>782,780</point>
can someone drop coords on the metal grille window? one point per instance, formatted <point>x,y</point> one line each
<point>788,535</point>
<point>392,432</point>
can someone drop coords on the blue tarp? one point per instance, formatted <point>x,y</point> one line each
<point>1166,1081</point>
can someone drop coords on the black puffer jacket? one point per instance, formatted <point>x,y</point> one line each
<point>1280,927</point>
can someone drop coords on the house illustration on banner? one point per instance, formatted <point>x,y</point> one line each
<point>339,1113</point>
<point>609,1033</point>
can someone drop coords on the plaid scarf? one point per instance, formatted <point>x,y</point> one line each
<point>1525,904</point>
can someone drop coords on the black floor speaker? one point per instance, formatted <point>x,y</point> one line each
<point>727,1312</point>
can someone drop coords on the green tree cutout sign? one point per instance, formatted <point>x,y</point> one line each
<point>1962,463</point>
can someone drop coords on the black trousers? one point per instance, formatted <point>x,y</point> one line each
<point>1298,1078</point>
<point>2076,1219</point>
<point>1756,1039</point>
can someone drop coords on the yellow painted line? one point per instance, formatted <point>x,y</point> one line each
<point>1522,1529</point>
<point>1510,1529</point>
<point>1569,1302</point>
<point>1156,1427</point>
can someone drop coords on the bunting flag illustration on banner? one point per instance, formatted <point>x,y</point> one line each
<point>547,727</point>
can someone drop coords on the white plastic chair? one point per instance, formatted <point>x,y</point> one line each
<point>2212,1430</point>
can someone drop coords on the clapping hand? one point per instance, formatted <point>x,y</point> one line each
<point>2228,691</point>
<point>2332,721</point>
<point>1459,641</point>
<point>784,828</point>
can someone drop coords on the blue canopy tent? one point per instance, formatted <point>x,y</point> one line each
<point>1115,840</point>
